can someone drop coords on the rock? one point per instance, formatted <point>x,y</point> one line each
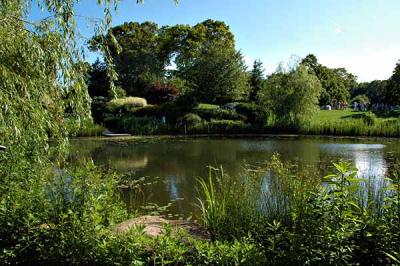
<point>154,226</point>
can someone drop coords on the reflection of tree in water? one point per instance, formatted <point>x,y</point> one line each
<point>179,162</point>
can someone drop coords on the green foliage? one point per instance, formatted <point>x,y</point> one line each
<point>98,81</point>
<point>217,73</point>
<point>217,114</point>
<point>135,49</point>
<point>361,98</point>
<point>241,252</point>
<point>256,81</point>
<point>190,120</point>
<point>98,107</point>
<point>207,106</point>
<point>336,83</point>
<point>148,111</point>
<point>393,87</point>
<point>138,126</point>
<point>46,85</point>
<point>118,93</point>
<point>50,217</point>
<point>255,114</point>
<point>127,103</point>
<point>348,123</point>
<point>291,97</point>
<point>90,129</point>
<point>227,126</point>
<point>369,119</point>
<point>298,223</point>
<point>374,90</point>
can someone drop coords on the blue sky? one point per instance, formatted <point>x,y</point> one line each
<point>361,35</point>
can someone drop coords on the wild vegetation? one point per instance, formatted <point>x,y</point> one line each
<point>54,213</point>
<point>208,70</point>
<point>299,223</point>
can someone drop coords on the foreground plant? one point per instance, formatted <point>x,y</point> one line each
<point>298,222</point>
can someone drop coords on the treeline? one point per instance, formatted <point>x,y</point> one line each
<point>200,64</point>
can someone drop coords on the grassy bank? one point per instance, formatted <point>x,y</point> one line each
<point>266,215</point>
<point>296,222</point>
<point>349,123</point>
<point>244,118</point>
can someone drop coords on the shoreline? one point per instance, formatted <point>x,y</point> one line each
<point>181,136</point>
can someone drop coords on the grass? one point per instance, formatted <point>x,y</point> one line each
<point>334,115</point>
<point>350,123</point>
<point>207,106</point>
<point>298,221</point>
<point>90,130</point>
<point>342,115</point>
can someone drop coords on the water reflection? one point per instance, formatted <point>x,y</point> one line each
<point>179,162</point>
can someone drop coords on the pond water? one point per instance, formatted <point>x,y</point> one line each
<point>171,166</point>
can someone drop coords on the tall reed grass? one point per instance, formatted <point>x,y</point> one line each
<point>354,127</point>
<point>300,220</point>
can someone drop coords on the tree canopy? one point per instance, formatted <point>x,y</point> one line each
<point>336,83</point>
<point>217,74</point>
<point>257,79</point>
<point>291,97</point>
<point>393,87</point>
<point>142,52</point>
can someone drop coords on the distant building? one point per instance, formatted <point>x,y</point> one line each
<point>326,107</point>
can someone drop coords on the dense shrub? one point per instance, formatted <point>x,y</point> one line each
<point>255,114</point>
<point>369,118</point>
<point>140,126</point>
<point>98,108</point>
<point>59,216</point>
<point>190,120</point>
<point>355,127</point>
<point>299,223</point>
<point>126,103</point>
<point>162,92</point>
<point>90,129</point>
<point>148,111</point>
<point>227,126</point>
<point>207,106</point>
<point>218,114</point>
<point>118,93</point>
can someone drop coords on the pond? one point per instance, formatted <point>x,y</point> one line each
<point>172,166</point>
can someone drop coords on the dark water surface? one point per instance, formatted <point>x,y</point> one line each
<point>171,166</point>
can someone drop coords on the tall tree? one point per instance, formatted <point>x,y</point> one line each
<point>256,80</point>
<point>375,91</point>
<point>336,83</point>
<point>138,60</point>
<point>291,97</point>
<point>98,80</point>
<point>393,86</point>
<point>217,74</point>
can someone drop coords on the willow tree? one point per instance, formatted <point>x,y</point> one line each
<point>43,92</point>
<point>291,97</point>
<point>43,98</point>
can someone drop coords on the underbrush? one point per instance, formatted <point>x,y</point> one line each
<point>299,222</point>
<point>90,129</point>
<point>367,126</point>
<point>265,216</point>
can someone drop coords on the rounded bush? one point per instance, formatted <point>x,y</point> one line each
<point>369,119</point>
<point>127,102</point>
<point>190,120</point>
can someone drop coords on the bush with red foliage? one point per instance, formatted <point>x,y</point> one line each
<point>162,92</point>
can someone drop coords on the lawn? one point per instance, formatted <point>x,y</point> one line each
<point>334,115</point>
<point>352,123</point>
